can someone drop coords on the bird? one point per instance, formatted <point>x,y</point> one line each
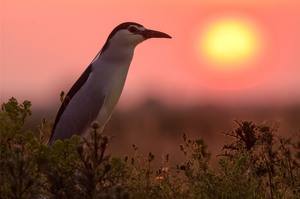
<point>95,94</point>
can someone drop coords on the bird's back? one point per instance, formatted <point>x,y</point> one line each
<point>96,92</point>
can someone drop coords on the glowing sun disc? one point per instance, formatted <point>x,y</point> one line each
<point>229,43</point>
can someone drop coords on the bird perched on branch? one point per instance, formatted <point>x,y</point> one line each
<point>95,94</point>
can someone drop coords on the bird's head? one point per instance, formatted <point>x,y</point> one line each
<point>131,34</point>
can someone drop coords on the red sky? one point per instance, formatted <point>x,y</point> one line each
<point>46,45</point>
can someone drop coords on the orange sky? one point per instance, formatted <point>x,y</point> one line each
<point>46,45</point>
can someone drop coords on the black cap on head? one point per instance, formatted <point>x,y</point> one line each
<point>147,34</point>
<point>122,26</point>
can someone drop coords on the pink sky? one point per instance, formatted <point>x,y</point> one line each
<point>46,45</point>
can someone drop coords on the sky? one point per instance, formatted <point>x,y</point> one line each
<point>222,52</point>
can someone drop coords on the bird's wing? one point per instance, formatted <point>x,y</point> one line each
<point>74,89</point>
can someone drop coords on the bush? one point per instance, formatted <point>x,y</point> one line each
<point>256,164</point>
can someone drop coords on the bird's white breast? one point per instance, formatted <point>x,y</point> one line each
<point>109,76</point>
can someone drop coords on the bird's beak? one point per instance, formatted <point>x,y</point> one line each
<point>147,34</point>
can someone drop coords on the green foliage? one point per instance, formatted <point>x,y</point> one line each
<point>19,178</point>
<point>256,164</point>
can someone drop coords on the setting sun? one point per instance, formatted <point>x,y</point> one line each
<point>229,43</point>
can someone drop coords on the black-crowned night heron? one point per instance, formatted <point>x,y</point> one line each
<point>95,94</point>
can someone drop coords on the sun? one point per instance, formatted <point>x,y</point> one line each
<point>229,43</point>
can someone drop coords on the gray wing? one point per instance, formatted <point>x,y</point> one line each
<point>78,109</point>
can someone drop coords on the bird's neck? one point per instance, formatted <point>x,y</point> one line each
<point>118,54</point>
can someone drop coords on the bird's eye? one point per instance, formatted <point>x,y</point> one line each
<point>132,29</point>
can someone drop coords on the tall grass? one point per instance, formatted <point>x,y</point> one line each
<point>257,163</point>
